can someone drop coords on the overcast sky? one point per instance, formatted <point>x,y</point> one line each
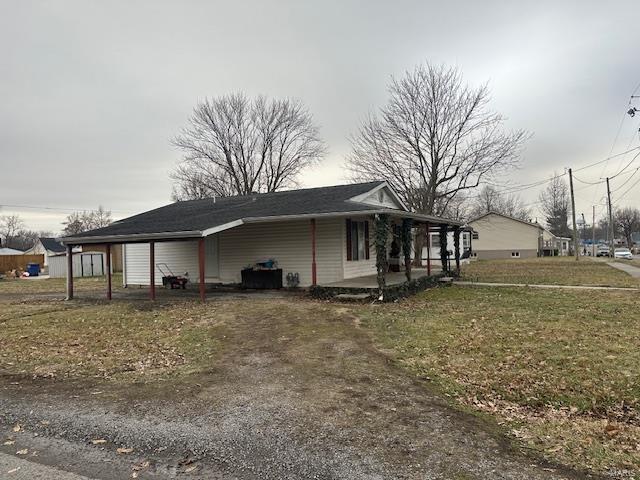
<point>93,91</point>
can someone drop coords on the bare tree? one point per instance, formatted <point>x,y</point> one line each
<point>434,139</point>
<point>491,200</point>
<point>628,220</point>
<point>554,203</point>
<point>234,145</point>
<point>25,239</point>
<point>10,225</point>
<point>78,222</point>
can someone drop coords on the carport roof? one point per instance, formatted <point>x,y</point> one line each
<point>197,218</point>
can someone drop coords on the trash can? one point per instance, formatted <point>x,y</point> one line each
<point>33,269</point>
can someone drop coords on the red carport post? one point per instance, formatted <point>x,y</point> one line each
<point>108,253</point>
<point>314,269</point>
<point>201,267</point>
<point>152,270</point>
<point>69,272</point>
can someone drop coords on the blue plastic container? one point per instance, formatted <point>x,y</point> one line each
<point>33,269</point>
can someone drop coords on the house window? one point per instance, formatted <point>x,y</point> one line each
<point>476,235</point>
<point>435,240</point>
<point>357,240</point>
<point>515,254</point>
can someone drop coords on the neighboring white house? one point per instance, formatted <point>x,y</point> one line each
<point>500,236</point>
<point>553,245</point>
<point>10,251</point>
<point>323,235</point>
<point>432,249</point>
<point>46,246</point>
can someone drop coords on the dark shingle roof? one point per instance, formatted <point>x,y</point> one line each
<point>199,215</point>
<point>52,244</point>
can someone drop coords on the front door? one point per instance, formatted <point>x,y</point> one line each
<point>212,267</point>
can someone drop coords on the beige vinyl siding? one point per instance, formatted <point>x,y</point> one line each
<point>180,256</point>
<point>505,235</point>
<point>289,243</point>
<point>358,268</point>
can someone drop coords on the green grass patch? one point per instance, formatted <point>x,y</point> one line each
<point>548,271</point>
<point>559,367</point>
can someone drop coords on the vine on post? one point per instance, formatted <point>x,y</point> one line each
<point>381,227</point>
<point>406,240</point>
<point>443,248</point>
<point>456,247</point>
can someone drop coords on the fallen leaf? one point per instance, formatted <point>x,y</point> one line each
<point>98,441</point>
<point>9,442</point>
<point>124,450</point>
<point>17,428</point>
<point>134,475</point>
<point>190,469</point>
<point>14,470</point>
<point>22,452</point>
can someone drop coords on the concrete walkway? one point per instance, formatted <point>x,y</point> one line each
<point>16,468</point>
<point>570,287</point>
<point>625,267</point>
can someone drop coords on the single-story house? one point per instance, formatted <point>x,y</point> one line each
<point>431,248</point>
<point>500,236</point>
<point>315,235</point>
<point>46,246</point>
<point>554,245</point>
<point>10,251</point>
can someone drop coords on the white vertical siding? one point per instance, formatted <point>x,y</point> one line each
<point>289,243</point>
<point>180,256</point>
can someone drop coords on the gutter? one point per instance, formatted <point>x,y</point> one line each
<point>130,238</point>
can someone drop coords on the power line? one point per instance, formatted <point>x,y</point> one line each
<point>523,187</point>
<point>628,190</point>
<point>55,209</point>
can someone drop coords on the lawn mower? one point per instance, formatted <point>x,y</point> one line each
<point>169,279</point>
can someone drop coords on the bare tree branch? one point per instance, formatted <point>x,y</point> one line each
<point>434,139</point>
<point>555,205</point>
<point>236,146</point>
<point>491,200</point>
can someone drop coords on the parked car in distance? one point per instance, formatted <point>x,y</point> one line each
<point>623,253</point>
<point>603,251</point>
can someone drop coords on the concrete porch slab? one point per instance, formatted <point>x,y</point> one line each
<point>371,281</point>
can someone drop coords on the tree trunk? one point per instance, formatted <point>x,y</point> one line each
<point>418,243</point>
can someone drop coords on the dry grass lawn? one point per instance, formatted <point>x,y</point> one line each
<point>559,368</point>
<point>553,271</point>
<point>57,285</point>
<point>117,341</point>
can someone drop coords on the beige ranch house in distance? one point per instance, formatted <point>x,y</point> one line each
<point>318,236</point>
<point>500,236</point>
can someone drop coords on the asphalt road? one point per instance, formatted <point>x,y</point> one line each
<point>18,469</point>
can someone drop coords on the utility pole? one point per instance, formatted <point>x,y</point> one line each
<point>584,234</point>
<point>593,234</point>
<point>610,220</point>
<point>573,215</point>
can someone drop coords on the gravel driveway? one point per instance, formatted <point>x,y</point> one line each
<point>289,400</point>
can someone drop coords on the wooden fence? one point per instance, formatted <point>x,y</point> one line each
<point>19,262</point>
